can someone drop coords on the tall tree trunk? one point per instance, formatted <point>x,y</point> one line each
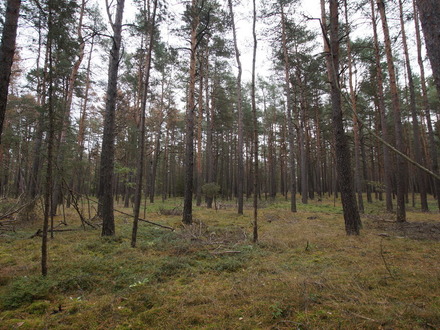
<point>50,140</point>
<point>343,163</point>
<point>199,154</point>
<point>303,142</point>
<point>255,123</point>
<point>240,166</point>
<point>108,140</point>
<point>291,133</point>
<point>189,125</point>
<point>432,146</point>
<point>429,11</point>
<point>358,175</point>
<point>140,161</point>
<point>422,179</point>
<point>7,51</point>
<point>388,173</point>
<point>400,170</point>
<point>57,194</point>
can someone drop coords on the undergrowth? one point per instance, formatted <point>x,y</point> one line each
<point>304,273</point>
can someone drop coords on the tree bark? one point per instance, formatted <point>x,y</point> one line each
<point>388,173</point>
<point>358,175</point>
<point>189,125</point>
<point>429,11</point>
<point>140,161</point>
<point>400,170</point>
<point>7,51</point>
<point>422,179</point>
<point>108,140</point>
<point>432,146</point>
<point>240,166</point>
<point>343,163</point>
<point>291,133</point>
<point>255,124</point>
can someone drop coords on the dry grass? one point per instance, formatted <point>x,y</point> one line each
<point>305,273</point>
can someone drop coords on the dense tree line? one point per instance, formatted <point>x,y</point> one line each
<point>341,112</point>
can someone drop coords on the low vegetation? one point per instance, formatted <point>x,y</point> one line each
<point>305,273</point>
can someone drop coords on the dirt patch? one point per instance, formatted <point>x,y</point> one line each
<point>419,230</point>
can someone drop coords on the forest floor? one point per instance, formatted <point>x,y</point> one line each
<point>304,273</point>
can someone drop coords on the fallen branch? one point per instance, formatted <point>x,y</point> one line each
<point>225,252</point>
<point>114,210</point>
<point>39,231</point>
<point>150,222</point>
<point>12,212</point>
<point>363,317</point>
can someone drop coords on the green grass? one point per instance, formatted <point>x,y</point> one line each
<point>305,273</point>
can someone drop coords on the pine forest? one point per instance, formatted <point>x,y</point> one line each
<point>219,164</point>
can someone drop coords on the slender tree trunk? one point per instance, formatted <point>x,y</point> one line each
<point>7,51</point>
<point>50,140</point>
<point>291,133</point>
<point>432,146</point>
<point>358,175</point>
<point>240,166</point>
<point>343,163</point>
<point>141,152</point>
<point>255,123</point>
<point>422,179</point>
<point>400,170</point>
<point>388,173</point>
<point>140,161</point>
<point>108,140</point>
<point>199,154</point>
<point>189,140</point>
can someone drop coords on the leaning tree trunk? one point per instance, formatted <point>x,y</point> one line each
<point>7,50</point>
<point>108,140</point>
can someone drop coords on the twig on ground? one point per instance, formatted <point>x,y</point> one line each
<point>383,258</point>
